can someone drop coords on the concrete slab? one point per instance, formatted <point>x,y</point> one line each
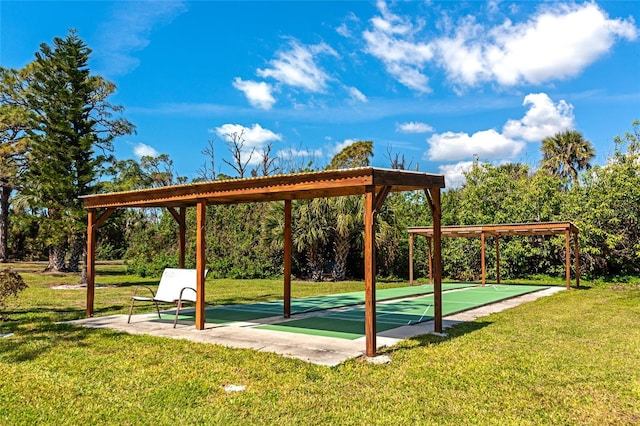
<point>320,350</point>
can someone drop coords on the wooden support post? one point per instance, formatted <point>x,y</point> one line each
<point>567,257</point>
<point>411,237</point>
<point>93,222</point>
<point>576,253</point>
<point>287,259</point>
<point>430,260</point>
<point>182,239</point>
<point>436,212</point>
<point>497,258</point>
<point>370,271</point>
<point>482,258</point>
<point>201,215</point>
<point>91,261</point>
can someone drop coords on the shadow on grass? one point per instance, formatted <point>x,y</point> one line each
<point>451,333</point>
<point>28,346</point>
<point>37,331</point>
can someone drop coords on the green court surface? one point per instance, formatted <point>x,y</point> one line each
<point>349,323</point>
<point>254,311</point>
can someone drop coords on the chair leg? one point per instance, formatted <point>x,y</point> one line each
<point>175,321</point>
<point>130,310</point>
<point>157,309</point>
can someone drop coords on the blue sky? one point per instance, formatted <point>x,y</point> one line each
<point>437,82</point>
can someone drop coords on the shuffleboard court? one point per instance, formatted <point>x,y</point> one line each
<point>254,311</point>
<point>348,323</point>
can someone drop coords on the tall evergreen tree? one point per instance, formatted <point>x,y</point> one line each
<point>70,144</point>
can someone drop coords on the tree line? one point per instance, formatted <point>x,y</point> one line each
<point>57,128</point>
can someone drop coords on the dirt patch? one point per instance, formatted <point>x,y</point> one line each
<point>73,286</point>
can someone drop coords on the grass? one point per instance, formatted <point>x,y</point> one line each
<point>571,358</point>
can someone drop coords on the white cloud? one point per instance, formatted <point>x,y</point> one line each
<point>392,41</point>
<point>489,144</point>
<point>454,173</point>
<point>413,127</point>
<point>543,119</point>
<point>143,150</point>
<point>258,93</point>
<point>251,138</point>
<point>357,95</point>
<point>129,31</point>
<point>557,43</point>
<point>297,67</point>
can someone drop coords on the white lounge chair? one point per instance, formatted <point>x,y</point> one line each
<point>176,286</point>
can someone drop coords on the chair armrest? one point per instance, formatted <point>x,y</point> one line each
<point>182,291</point>
<point>135,291</point>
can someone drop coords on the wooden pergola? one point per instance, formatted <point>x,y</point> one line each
<point>374,183</point>
<point>496,231</point>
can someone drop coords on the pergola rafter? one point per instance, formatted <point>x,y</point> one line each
<point>374,183</point>
<point>496,231</point>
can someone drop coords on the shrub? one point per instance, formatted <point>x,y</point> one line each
<point>11,283</point>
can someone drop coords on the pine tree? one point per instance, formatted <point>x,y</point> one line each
<point>73,119</point>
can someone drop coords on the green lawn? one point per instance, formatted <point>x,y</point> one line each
<point>571,358</point>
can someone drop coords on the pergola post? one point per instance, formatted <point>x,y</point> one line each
<point>93,222</point>
<point>91,261</point>
<point>370,271</point>
<point>567,257</point>
<point>201,214</point>
<point>497,259</point>
<point>483,263</point>
<point>576,253</point>
<point>411,237</point>
<point>436,212</point>
<point>287,259</point>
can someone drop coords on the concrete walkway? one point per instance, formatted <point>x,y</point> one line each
<point>320,350</point>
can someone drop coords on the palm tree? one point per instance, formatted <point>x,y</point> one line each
<point>566,153</point>
<point>348,218</point>
<point>311,231</point>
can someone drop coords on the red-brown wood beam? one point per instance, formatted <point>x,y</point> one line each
<point>482,258</point>
<point>430,260</point>
<point>567,258</point>
<point>370,271</point>
<point>181,218</point>
<point>91,261</point>
<point>287,259</point>
<point>411,236</point>
<point>381,196</point>
<point>93,222</point>
<point>497,259</point>
<point>576,253</point>
<point>201,214</point>
<point>104,216</point>
<point>436,212</point>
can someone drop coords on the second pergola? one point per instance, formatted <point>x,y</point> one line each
<point>496,231</point>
